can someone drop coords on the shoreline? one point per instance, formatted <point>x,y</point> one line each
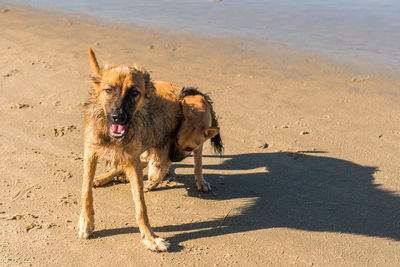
<point>309,175</point>
<point>362,62</point>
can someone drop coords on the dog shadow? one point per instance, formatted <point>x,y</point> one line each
<point>303,190</point>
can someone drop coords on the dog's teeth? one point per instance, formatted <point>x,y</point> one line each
<point>114,127</point>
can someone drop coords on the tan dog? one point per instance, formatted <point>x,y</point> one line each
<point>124,117</point>
<point>199,123</point>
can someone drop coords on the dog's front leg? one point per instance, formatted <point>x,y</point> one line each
<point>135,174</point>
<point>201,183</point>
<point>86,220</point>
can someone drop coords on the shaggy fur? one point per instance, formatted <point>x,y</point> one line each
<point>199,123</point>
<point>125,117</point>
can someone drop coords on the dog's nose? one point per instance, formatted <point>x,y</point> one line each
<point>175,155</point>
<point>119,118</point>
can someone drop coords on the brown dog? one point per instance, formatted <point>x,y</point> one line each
<point>124,117</point>
<point>199,123</point>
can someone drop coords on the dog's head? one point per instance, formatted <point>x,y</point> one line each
<point>199,124</point>
<point>121,91</point>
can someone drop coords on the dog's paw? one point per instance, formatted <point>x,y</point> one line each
<point>97,182</point>
<point>85,227</point>
<point>149,185</point>
<point>122,178</point>
<point>203,186</point>
<point>156,244</point>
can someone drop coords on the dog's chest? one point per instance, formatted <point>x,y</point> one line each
<point>113,153</point>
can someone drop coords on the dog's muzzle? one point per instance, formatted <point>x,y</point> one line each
<point>118,123</point>
<point>175,155</point>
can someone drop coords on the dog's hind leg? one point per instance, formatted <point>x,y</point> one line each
<point>201,183</point>
<point>159,164</point>
<point>86,220</point>
<point>107,177</point>
<point>118,171</point>
<point>135,174</point>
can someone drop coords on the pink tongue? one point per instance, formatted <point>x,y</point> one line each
<point>120,128</point>
<point>116,128</point>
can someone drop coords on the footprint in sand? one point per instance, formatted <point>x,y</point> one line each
<point>62,175</point>
<point>20,106</point>
<point>358,79</point>
<point>26,192</point>
<point>61,131</point>
<point>69,200</point>
<point>12,73</point>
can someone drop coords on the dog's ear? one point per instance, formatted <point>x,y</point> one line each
<point>187,110</point>
<point>211,132</point>
<point>93,63</point>
<point>150,89</point>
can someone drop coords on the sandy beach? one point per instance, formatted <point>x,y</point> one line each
<point>310,174</point>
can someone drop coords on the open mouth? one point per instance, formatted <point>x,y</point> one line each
<point>117,130</point>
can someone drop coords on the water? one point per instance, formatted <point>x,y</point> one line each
<point>365,29</point>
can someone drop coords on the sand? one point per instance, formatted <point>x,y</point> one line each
<point>309,175</point>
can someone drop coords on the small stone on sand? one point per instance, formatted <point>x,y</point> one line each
<point>264,146</point>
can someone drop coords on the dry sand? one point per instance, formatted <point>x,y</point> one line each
<point>309,176</point>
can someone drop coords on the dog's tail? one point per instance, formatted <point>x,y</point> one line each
<point>217,144</point>
<point>216,140</point>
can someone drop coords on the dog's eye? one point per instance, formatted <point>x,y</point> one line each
<point>108,90</point>
<point>188,149</point>
<point>134,93</point>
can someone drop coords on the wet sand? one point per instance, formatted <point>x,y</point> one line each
<point>309,175</point>
<point>349,31</point>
